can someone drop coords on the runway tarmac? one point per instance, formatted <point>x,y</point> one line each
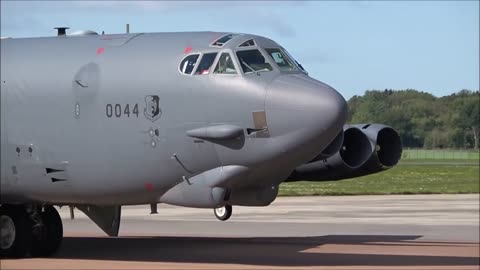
<point>345,232</point>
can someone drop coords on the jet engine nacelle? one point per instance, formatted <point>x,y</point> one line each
<point>387,151</point>
<point>366,149</point>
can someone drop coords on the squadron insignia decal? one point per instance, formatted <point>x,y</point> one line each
<point>152,110</point>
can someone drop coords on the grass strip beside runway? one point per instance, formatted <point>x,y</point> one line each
<point>440,154</point>
<point>402,179</point>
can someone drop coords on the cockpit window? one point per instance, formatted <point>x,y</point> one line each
<point>247,43</point>
<point>281,58</point>
<point>253,61</point>
<point>296,62</point>
<point>225,65</point>
<point>224,39</point>
<point>188,64</point>
<point>301,67</point>
<point>205,63</point>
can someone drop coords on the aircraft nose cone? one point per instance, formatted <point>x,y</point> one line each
<point>302,105</point>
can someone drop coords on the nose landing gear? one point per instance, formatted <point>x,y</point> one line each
<point>223,213</point>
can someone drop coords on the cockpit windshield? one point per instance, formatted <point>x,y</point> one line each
<point>253,61</point>
<point>281,58</point>
<point>225,65</point>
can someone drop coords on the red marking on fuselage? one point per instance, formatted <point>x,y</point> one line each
<point>188,49</point>
<point>100,50</point>
<point>148,186</point>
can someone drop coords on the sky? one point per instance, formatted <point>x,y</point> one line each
<point>354,46</point>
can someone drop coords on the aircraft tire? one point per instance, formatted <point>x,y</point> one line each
<point>16,232</point>
<point>223,213</point>
<point>50,237</point>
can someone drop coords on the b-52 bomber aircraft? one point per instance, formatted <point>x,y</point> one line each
<point>194,119</point>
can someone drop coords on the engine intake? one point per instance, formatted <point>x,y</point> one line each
<point>388,146</point>
<point>355,150</point>
<point>366,149</point>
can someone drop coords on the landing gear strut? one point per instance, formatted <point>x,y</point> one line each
<point>223,213</point>
<point>29,230</point>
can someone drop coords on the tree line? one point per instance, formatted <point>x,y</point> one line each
<point>422,119</point>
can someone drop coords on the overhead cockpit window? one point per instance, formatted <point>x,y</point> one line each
<point>205,63</point>
<point>225,65</point>
<point>247,43</point>
<point>224,39</point>
<point>281,59</point>
<point>253,61</point>
<point>188,64</point>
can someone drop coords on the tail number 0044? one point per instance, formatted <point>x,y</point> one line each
<point>117,110</point>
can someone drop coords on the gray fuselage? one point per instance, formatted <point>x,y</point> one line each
<point>81,122</point>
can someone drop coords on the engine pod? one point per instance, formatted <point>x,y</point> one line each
<point>356,149</point>
<point>388,145</point>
